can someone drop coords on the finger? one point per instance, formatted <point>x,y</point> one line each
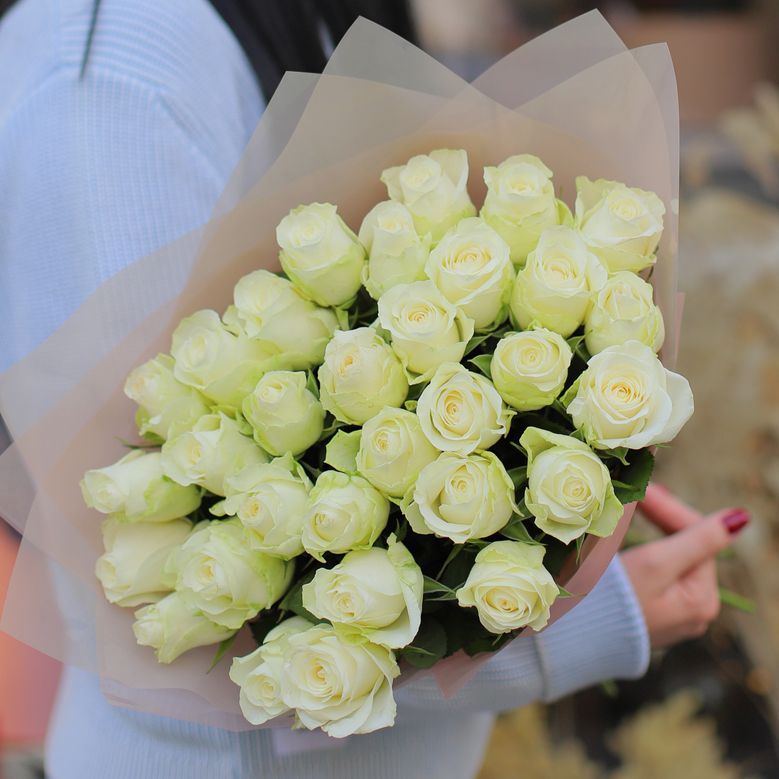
<point>698,543</point>
<point>663,509</point>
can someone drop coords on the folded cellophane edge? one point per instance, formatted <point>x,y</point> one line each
<point>574,96</point>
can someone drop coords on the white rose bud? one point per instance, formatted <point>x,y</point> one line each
<point>259,674</point>
<point>271,502</point>
<point>375,592</point>
<point>434,188</point>
<point>521,203</point>
<point>223,366</point>
<point>393,450</point>
<point>360,376</point>
<point>172,626</point>
<point>269,309</point>
<point>529,369</point>
<point>396,254</point>
<point>426,329</point>
<point>134,489</point>
<point>132,569</point>
<point>556,286</point>
<point>461,411</point>
<point>621,225</point>
<point>213,450</point>
<point>339,682</point>
<point>569,489</point>
<point>624,311</point>
<point>627,398</point>
<point>461,497</point>
<point>320,254</point>
<point>284,414</point>
<point>510,587</point>
<point>166,407</point>
<point>220,574</point>
<point>345,513</point>
<point>472,268</point>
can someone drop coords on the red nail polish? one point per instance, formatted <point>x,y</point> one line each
<point>736,520</point>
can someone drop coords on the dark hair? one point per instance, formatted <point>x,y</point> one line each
<point>282,35</point>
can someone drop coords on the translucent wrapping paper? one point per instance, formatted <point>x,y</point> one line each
<point>575,97</point>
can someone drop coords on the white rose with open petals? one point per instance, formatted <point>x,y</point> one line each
<point>396,253</point>
<point>434,188</point>
<point>339,681</point>
<point>624,310</point>
<point>472,268</point>
<point>627,398</point>
<point>510,587</point>
<point>521,203</point>
<point>621,225</point>
<point>461,411</point>
<point>426,329</point>
<point>555,288</point>
<point>374,592</point>
<point>320,254</point>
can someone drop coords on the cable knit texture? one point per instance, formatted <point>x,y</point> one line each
<point>101,171</point>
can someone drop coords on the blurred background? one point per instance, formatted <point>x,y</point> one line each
<point>708,709</point>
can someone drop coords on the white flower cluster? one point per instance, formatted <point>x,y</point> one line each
<point>297,466</point>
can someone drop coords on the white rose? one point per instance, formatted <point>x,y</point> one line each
<point>396,254</point>
<point>434,188</point>
<point>556,286</point>
<point>259,674</point>
<point>461,411</point>
<point>627,398</point>
<point>393,450</point>
<point>223,366</point>
<point>320,254</point>
<point>622,225</point>
<point>426,329</point>
<point>132,569</point>
<point>569,489</point>
<point>269,309</point>
<point>360,376</point>
<point>339,682</point>
<point>520,203</point>
<point>374,592</point>
<point>345,513</point>
<point>172,626</point>
<point>624,311</point>
<point>134,489</point>
<point>509,587</point>
<point>220,574</point>
<point>284,414</point>
<point>165,405</point>
<point>271,501</point>
<point>213,450</point>
<point>529,369</point>
<point>472,267</point>
<point>461,497</point>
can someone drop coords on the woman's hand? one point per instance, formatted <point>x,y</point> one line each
<point>675,578</point>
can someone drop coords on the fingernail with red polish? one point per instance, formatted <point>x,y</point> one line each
<point>736,520</point>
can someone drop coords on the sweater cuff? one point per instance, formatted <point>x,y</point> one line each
<point>603,637</point>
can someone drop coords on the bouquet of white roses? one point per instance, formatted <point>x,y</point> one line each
<point>387,451</point>
<point>358,456</point>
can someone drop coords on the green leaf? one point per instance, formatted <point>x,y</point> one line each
<point>475,342</point>
<point>515,530</point>
<point>482,364</point>
<point>293,600</point>
<point>436,591</point>
<point>341,451</point>
<point>331,427</point>
<point>342,316</point>
<point>563,593</point>
<point>736,601</point>
<point>220,651</point>
<point>620,453</point>
<point>631,486</point>
<point>428,646</point>
<point>518,476</point>
<point>311,384</point>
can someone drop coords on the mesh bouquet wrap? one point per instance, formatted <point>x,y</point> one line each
<point>396,457</point>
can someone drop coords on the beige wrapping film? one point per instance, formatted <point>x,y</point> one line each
<point>574,96</point>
